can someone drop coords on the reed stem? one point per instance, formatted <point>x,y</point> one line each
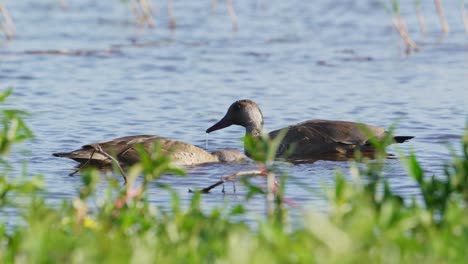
<point>443,20</point>
<point>464,16</point>
<point>143,12</point>
<point>170,13</point>
<point>232,15</point>
<point>270,196</point>
<point>8,27</point>
<point>214,5</point>
<point>402,29</point>
<point>419,13</point>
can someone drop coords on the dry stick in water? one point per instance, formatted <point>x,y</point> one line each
<point>170,13</point>
<point>84,164</point>
<point>4,30</point>
<point>99,150</point>
<point>443,20</point>
<point>229,178</point>
<point>9,27</point>
<point>421,21</point>
<point>400,26</point>
<point>232,14</point>
<point>147,12</point>
<point>63,4</point>
<point>214,4</point>
<point>136,11</point>
<point>464,16</point>
<point>143,12</point>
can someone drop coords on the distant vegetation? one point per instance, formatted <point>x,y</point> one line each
<point>393,8</point>
<point>366,221</point>
<point>144,11</point>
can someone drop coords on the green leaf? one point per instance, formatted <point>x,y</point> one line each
<point>5,94</point>
<point>238,210</point>
<point>414,168</point>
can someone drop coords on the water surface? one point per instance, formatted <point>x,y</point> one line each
<point>297,59</point>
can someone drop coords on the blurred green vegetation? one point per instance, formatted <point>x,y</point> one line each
<point>366,221</point>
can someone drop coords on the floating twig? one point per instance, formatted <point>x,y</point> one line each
<point>229,178</point>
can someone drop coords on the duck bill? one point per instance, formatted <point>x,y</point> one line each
<point>220,125</point>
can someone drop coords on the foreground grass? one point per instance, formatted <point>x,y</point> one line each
<point>366,221</point>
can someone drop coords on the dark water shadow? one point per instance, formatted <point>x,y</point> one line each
<point>335,157</point>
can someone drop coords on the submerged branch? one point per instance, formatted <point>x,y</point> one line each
<point>84,164</point>
<point>229,178</point>
<point>99,150</point>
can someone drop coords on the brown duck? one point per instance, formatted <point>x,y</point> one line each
<point>312,138</point>
<point>124,151</point>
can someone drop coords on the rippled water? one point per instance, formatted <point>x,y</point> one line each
<point>297,59</point>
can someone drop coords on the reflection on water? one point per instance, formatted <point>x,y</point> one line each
<point>297,60</point>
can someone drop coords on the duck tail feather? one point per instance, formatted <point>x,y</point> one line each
<point>401,139</point>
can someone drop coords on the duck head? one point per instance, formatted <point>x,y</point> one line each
<point>244,113</point>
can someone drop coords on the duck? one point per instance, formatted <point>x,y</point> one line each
<point>124,151</point>
<point>311,138</point>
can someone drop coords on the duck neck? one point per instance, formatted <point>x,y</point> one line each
<point>253,130</point>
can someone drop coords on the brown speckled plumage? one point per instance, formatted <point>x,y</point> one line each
<point>123,149</point>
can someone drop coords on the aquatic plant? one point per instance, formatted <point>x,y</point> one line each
<point>144,12</point>
<point>365,222</point>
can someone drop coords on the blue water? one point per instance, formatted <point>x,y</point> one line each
<point>298,60</point>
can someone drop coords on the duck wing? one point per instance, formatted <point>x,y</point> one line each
<point>181,153</point>
<point>325,136</point>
